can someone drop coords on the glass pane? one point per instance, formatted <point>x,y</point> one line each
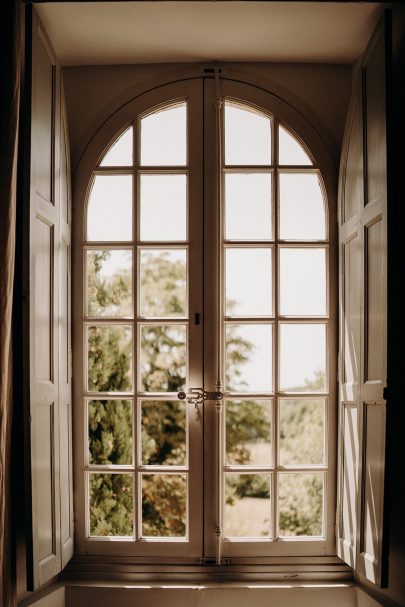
<point>110,358</point>
<point>249,357</point>
<point>247,505</point>
<point>163,207</point>
<point>164,505</point>
<point>302,431</point>
<point>120,153</point>
<point>302,357</point>
<point>248,432</point>
<point>302,212</point>
<point>111,504</point>
<point>248,207</point>
<point>163,433</point>
<point>247,136</point>
<point>109,211</point>
<point>110,432</point>
<point>301,504</point>
<point>248,282</point>
<point>163,137</point>
<point>302,282</point>
<point>163,358</point>
<point>163,282</point>
<point>290,151</point>
<point>109,283</point>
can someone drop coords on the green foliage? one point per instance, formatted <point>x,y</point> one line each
<point>110,432</point>
<point>247,423</point>
<point>163,433</point>
<point>164,505</point>
<point>109,358</point>
<point>107,296</point>
<point>163,422</point>
<point>300,504</point>
<point>111,504</point>
<point>158,268</point>
<point>163,358</point>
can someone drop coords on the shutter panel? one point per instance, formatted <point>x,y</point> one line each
<point>350,247</point>
<point>65,345</point>
<point>48,316</point>
<point>363,318</point>
<point>374,319</point>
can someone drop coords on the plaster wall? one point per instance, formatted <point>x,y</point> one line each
<point>320,92</point>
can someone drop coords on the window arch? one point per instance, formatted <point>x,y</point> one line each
<point>203,260</point>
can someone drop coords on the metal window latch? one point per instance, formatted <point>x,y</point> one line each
<point>197,396</point>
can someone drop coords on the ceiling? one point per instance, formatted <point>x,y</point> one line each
<point>99,33</point>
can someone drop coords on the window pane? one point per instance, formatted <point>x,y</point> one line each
<point>247,505</point>
<point>248,206</point>
<point>163,207</point>
<point>301,504</point>
<point>302,357</point>
<point>163,433</point>
<point>247,136</point>
<point>163,282</point>
<point>290,151</point>
<point>111,504</point>
<point>163,358</point>
<point>164,505</point>
<point>302,282</point>
<point>302,212</point>
<point>120,153</point>
<point>110,432</point>
<point>302,431</point>
<point>248,282</point>
<point>248,432</point>
<point>249,357</point>
<point>109,211</point>
<point>110,358</point>
<point>163,137</point>
<point>109,282</point>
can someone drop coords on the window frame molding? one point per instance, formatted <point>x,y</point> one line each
<point>95,148</point>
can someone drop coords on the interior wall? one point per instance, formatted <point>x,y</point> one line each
<point>263,595</point>
<point>320,92</point>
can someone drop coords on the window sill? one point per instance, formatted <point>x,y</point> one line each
<point>322,569</point>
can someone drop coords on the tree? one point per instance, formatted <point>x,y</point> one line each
<point>163,433</point>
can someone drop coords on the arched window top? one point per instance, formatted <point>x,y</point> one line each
<point>120,152</point>
<point>254,139</point>
<point>243,123</point>
<point>290,149</point>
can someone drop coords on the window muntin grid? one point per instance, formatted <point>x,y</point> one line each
<point>251,489</point>
<point>270,240</point>
<point>127,473</point>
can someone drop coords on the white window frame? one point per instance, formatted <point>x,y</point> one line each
<point>295,120</point>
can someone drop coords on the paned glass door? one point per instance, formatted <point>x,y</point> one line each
<point>272,473</point>
<point>142,344</point>
<point>204,264</point>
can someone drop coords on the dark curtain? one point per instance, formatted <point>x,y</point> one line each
<point>9,111</point>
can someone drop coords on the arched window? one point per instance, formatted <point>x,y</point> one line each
<point>205,365</point>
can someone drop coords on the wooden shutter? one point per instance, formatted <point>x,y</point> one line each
<point>48,315</point>
<point>363,317</point>
<point>65,343</point>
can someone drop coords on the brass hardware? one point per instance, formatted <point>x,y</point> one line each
<point>197,396</point>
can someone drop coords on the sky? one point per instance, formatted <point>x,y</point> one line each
<point>248,210</point>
